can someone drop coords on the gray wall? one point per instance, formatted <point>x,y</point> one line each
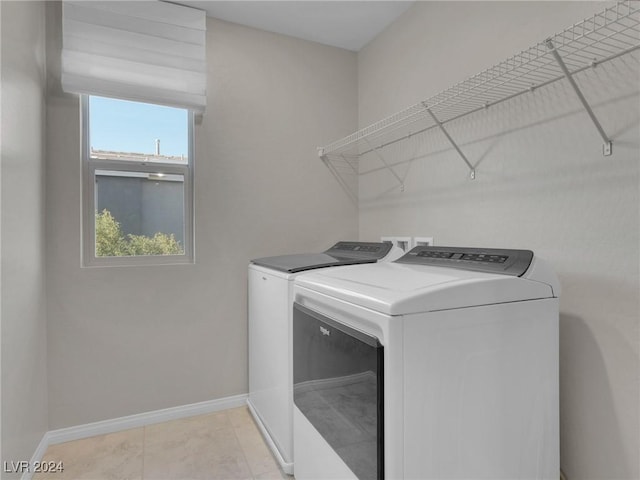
<point>120,341</point>
<point>125,340</point>
<point>542,183</point>
<point>24,369</point>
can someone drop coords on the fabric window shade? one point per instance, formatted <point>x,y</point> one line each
<point>146,51</point>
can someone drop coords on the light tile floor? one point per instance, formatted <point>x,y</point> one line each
<point>225,445</point>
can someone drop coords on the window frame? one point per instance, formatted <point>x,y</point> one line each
<point>89,167</point>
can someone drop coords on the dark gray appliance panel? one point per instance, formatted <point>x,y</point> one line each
<point>490,260</point>
<point>339,387</point>
<point>342,253</point>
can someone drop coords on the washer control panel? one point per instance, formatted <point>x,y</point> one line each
<point>490,260</point>
<point>360,249</point>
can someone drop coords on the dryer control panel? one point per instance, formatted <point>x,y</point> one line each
<point>490,260</point>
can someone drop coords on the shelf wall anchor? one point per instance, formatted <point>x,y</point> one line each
<point>607,147</point>
<point>472,170</point>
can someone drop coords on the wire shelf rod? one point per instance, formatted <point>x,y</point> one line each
<point>382,124</point>
<point>583,100</point>
<point>473,90</point>
<point>483,107</point>
<point>599,43</point>
<point>343,183</point>
<point>350,165</point>
<point>384,162</point>
<point>595,40</point>
<point>452,142</point>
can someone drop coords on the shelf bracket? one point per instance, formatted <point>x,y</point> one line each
<point>472,170</point>
<point>607,147</point>
<point>387,166</point>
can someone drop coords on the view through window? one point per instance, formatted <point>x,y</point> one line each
<point>138,168</point>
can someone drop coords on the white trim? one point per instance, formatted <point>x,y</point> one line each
<point>89,167</point>
<point>87,430</point>
<point>37,456</point>
<point>142,419</point>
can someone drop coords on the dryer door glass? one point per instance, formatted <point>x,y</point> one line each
<point>338,386</point>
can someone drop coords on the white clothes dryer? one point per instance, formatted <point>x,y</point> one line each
<point>440,365</point>
<point>270,316</point>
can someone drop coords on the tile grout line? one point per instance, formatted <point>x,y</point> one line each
<point>244,442</point>
<point>244,454</point>
<point>258,435</point>
<point>144,448</point>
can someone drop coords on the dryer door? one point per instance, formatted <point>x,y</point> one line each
<point>338,386</point>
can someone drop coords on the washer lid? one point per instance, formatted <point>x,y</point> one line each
<point>400,289</point>
<point>342,253</point>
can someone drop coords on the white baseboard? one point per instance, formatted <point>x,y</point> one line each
<point>103,427</point>
<point>36,457</point>
<point>142,419</point>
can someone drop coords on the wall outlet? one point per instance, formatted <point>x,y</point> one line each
<point>404,243</point>
<point>423,241</point>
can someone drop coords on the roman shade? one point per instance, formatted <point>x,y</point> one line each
<point>146,51</point>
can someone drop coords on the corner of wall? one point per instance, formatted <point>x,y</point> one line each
<point>23,400</point>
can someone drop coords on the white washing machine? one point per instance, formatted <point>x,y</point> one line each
<point>270,316</point>
<point>440,365</point>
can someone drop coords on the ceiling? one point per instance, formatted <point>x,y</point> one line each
<point>345,24</point>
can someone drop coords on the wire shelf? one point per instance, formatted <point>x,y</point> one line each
<point>600,38</point>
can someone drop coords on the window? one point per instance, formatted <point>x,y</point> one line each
<point>138,169</point>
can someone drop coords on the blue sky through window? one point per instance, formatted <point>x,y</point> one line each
<point>123,126</point>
